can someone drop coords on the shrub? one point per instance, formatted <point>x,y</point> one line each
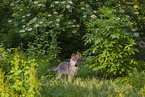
<point>112,43</point>
<point>21,80</point>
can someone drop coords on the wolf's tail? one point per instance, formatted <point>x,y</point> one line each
<point>52,69</point>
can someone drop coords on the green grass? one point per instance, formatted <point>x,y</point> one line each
<point>85,88</point>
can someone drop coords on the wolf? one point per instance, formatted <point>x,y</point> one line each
<point>68,68</point>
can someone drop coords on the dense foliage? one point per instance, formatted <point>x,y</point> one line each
<point>38,34</point>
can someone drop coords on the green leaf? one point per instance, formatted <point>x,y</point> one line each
<point>115,35</point>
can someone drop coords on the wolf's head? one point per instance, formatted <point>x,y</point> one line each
<point>75,59</point>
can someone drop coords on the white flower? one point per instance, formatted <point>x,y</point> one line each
<point>29,14</point>
<point>94,16</point>
<point>68,6</point>
<point>17,1</point>
<point>95,11</point>
<point>29,29</point>
<point>34,19</point>
<point>136,34</point>
<point>87,5</point>
<point>73,26</point>
<point>85,16</point>
<point>74,31</point>
<point>23,20</point>
<point>57,20</point>
<point>49,15</point>
<point>22,31</point>
<point>23,26</point>
<point>57,24</point>
<point>35,2</point>
<point>56,2</point>
<point>51,5</point>
<point>39,4</point>
<point>63,2</point>
<point>10,21</point>
<point>23,16</point>
<point>40,22</point>
<point>74,20</point>
<point>55,12</point>
<point>69,22</point>
<point>78,25</point>
<point>36,25</point>
<point>50,22</point>
<point>118,18</point>
<point>70,2</point>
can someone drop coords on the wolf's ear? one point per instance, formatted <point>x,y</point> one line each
<point>73,55</point>
<point>80,55</point>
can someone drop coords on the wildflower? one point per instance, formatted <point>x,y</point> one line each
<point>36,25</point>
<point>49,15</point>
<point>12,4</point>
<point>51,5</point>
<point>22,31</point>
<point>29,14</point>
<point>74,20</point>
<point>34,19</point>
<point>118,18</point>
<point>40,22</point>
<point>57,20</point>
<point>17,1</point>
<point>69,22</point>
<point>10,21</point>
<point>95,11</point>
<point>57,24</point>
<point>74,31</point>
<point>56,2</point>
<point>23,26</point>
<point>23,20</point>
<point>73,26</point>
<point>68,6</point>
<point>136,34</point>
<point>78,25</point>
<point>35,2</point>
<point>63,2</point>
<point>50,22</point>
<point>85,16</point>
<point>94,16</point>
<point>29,29</point>
<point>70,2</point>
<point>23,16</point>
<point>39,4</point>
<point>55,12</point>
<point>87,5</point>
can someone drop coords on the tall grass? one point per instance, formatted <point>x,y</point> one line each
<point>85,88</point>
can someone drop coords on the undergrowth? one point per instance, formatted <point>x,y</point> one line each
<point>25,76</point>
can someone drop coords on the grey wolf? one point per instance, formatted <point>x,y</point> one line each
<point>68,68</point>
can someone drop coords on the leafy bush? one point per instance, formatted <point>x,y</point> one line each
<point>112,43</point>
<point>21,80</point>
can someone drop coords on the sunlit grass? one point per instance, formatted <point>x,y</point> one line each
<point>85,88</point>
